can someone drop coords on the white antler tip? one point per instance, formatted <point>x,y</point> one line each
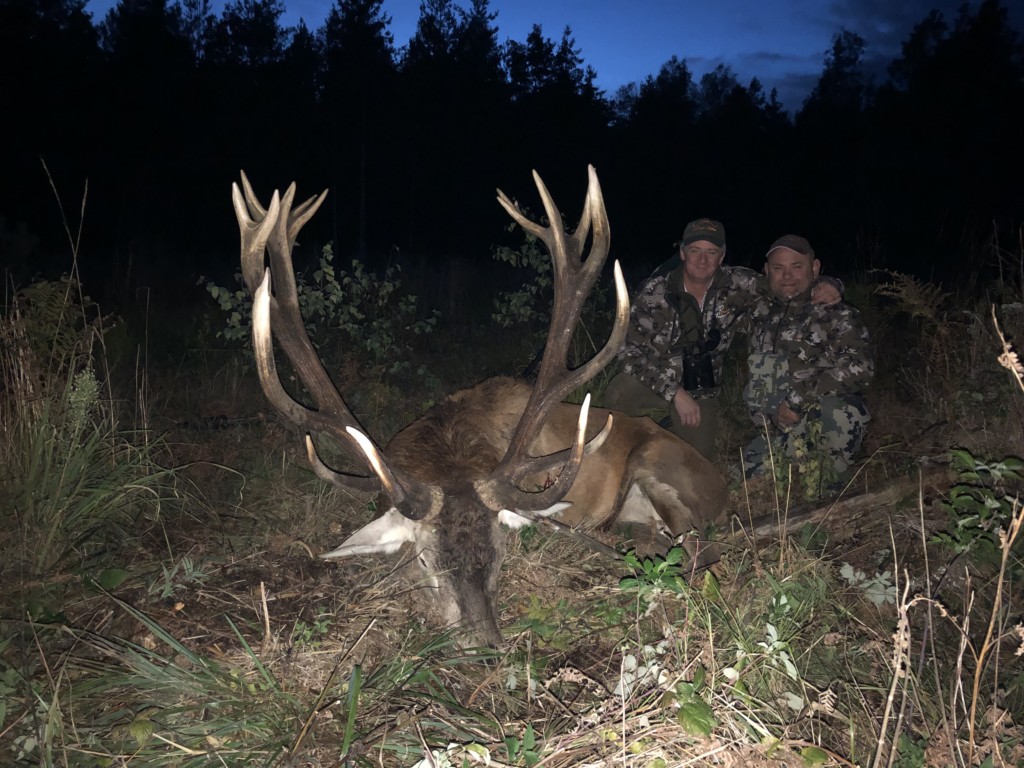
<point>582,429</point>
<point>261,301</point>
<point>373,457</point>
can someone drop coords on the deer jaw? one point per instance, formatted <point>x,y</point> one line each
<point>458,557</point>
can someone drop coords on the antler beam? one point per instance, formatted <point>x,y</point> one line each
<point>574,278</point>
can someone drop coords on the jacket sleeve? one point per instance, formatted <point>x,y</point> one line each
<point>740,292</point>
<point>839,362</point>
<point>647,354</point>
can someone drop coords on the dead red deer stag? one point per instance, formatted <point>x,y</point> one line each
<point>472,464</point>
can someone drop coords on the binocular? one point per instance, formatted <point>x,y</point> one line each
<point>698,366</point>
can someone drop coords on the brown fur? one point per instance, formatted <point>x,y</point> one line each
<point>465,436</point>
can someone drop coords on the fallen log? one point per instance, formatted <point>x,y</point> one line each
<point>779,523</point>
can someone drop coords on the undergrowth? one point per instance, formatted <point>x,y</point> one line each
<point>136,633</point>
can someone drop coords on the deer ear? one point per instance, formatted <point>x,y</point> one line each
<point>516,521</point>
<point>383,536</point>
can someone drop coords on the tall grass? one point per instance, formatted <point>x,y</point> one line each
<point>78,485</point>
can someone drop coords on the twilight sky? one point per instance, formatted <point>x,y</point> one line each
<point>782,42</point>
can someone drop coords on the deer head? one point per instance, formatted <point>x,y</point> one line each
<point>452,480</point>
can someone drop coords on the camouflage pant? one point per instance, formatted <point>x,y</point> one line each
<point>829,434</point>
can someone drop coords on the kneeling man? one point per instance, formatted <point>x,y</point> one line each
<point>808,367</point>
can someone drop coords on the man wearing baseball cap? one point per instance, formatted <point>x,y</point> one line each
<point>682,320</point>
<point>808,367</point>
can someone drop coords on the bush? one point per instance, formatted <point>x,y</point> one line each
<point>377,320</point>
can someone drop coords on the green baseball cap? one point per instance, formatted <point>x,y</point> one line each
<point>793,243</point>
<point>704,229</point>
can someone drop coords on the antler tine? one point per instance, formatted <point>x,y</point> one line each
<point>556,461</point>
<point>295,218</point>
<point>279,221</point>
<point>413,499</point>
<point>304,211</point>
<point>257,210</point>
<point>279,315</point>
<point>565,479</point>
<point>331,410</point>
<point>573,280</point>
<point>279,247</point>
<point>306,418</point>
<point>254,233</point>
<point>571,292</point>
<point>285,318</point>
<point>263,351</point>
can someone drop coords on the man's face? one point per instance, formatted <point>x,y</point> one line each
<point>701,259</point>
<point>789,272</point>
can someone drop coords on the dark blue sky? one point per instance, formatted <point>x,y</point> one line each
<point>782,42</point>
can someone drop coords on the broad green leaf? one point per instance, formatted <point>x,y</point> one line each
<point>814,756</point>
<point>699,674</point>
<point>111,578</point>
<point>712,590</point>
<point>141,729</point>
<point>696,718</point>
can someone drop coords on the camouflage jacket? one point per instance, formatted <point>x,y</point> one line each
<point>664,323</point>
<point>804,351</point>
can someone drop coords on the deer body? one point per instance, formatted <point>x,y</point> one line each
<point>469,432</point>
<point>498,455</point>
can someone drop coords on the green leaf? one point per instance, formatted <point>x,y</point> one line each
<point>814,756</point>
<point>141,729</point>
<point>699,673</point>
<point>674,556</point>
<point>529,738</point>
<point>512,745</point>
<point>696,718</point>
<point>712,590</point>
<point>355,683</point>
<point>111,578</point>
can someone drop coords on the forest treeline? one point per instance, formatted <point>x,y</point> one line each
<point>158,105</point>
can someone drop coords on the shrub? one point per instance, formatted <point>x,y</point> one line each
<point>376,319</point>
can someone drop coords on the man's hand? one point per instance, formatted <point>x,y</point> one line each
<point>687,408</point>
<point>825,293</point>
<point>785,415</point>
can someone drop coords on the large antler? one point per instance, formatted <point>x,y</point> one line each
<point>574,278</point>
<point>273,230</point>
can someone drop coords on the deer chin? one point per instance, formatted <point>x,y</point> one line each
<point>483,634</point>
<point>461,595</point>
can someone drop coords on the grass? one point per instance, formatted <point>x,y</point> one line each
<point>157,616</point>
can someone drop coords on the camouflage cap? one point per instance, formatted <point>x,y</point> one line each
<point>793,243</point>
<point>704,229</point>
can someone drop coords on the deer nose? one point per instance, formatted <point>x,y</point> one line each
<point>484,636</point>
